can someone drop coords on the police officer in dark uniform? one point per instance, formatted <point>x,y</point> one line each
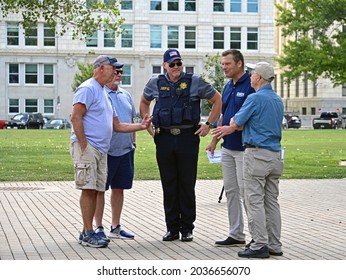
<point>176,132</point>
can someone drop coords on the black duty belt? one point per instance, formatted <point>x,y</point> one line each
<point>175,130</point>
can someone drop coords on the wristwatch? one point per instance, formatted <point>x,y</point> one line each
<point>209,124</point>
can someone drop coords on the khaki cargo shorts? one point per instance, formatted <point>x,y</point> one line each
<point>90,168</point>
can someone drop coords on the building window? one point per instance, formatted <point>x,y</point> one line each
<point>173,5</point>
<point>314,89</point>
<point>91,41</point>
<point>189,69</point>
<point>156,70</point>
<point>219,6</point>
<point>252,6</point>
<point>48,36</point>
<point>12,34</point>
<point>109,39</point>
<point>252,38</point>
<point>31,36</point>
<point>235,37</point>
<point>126,5</point>
<point>304,111</point>
<point>13,77</point>
<point>190,5</point>
<point>127,36</point>
<point>313,111</point>
<point>173,37</point>
<point>297,87</point>
<point>31,73</point>
<point>235,6</point>
<point>126,80</point>
<point>306,85</point>
<point>48,74</point>
<point>31,106</point>
<point>218,38</point>
<point>155,5</point>
<point>344,89</point>
<point>48,106</point>
<point>282,88</point>
<point>155,36</point>
<point>13,106</point>
<point>190,37</point>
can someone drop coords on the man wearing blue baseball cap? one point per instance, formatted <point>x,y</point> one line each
<point>176,119</point>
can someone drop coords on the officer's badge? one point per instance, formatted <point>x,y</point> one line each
<point>183,85</point>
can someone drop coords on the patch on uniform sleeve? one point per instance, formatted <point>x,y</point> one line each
<point>183,85</point>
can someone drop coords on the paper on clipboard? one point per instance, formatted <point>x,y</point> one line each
<point>216,158</point>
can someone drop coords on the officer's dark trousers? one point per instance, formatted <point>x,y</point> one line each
<point>177,157</point>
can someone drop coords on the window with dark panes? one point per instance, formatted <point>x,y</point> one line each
<point>126,5</point>
<point>91,41</point>
<point>48,74</point>
<point>48,106</point>
<point>13,77</point>
<point>12,33</point>
<point>13,105</point>
<point>219,37</point>
<point>190,37</point>
<point>189,69</point>
<point>31,36</point>
<point>190,5</point>
<point>219,6</point>
<point>173,5</point>
<point>252,38</point>
<point>31,73</point>
<point>157,69</point>
<point>172,36</point>
<point>31,105</point>
<point>48,36</point>
<point>235,37</point>
<point>127,36</point>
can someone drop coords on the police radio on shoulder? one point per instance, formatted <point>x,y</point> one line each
<point>209,124</point>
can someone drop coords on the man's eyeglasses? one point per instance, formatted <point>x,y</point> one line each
<point>172,64</point>
<point>119,72</point>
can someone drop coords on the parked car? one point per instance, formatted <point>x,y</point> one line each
<point>327,120</point>
<point>58,123</point>
<point>3,124</point>
<point>26,120</point>
<point>293,120</point>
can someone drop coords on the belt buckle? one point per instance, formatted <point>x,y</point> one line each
<point>174,131</point>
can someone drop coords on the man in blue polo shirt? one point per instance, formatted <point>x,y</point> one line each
<point>233,97</point>
<point>260,117</point>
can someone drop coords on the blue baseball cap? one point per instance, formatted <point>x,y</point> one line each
<point>170,55</point>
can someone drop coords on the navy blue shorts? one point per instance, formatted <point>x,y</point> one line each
<point>120,171</point>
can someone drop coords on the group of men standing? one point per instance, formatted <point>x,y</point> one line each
<point>249,115</point>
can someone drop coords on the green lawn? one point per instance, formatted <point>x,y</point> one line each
<point>43,155</point>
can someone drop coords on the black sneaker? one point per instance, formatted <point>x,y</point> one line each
<point>229,242</point>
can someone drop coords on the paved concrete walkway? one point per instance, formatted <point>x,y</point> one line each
<point>41,220</point>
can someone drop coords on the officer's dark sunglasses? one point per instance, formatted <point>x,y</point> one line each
<point>172,64</point>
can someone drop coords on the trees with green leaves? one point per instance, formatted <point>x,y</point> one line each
<point>86,71</point>
<point>316,34</point>
<point>81,17</point>
<point>213,73</point>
